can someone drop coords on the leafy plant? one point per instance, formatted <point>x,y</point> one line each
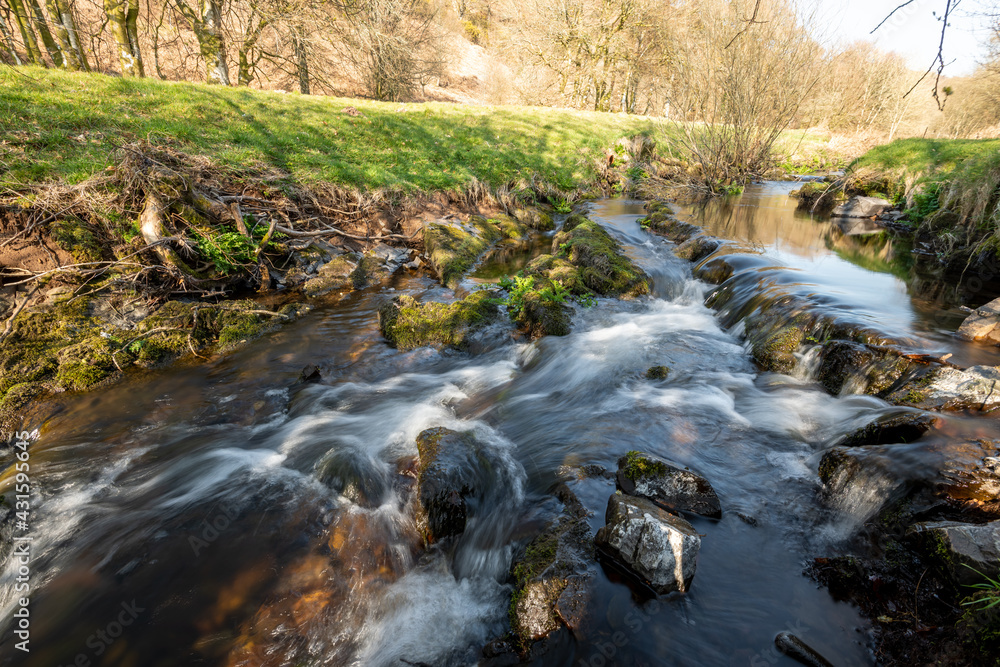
<point>992,588</point>
<point>562,206</point>
<point>518,287</point>
<point>586,300</point>
<point>554,293</point>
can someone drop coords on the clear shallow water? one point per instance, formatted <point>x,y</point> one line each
<point>256,521</point>
<point>872,280</point>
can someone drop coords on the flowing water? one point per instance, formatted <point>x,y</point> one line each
<point>233,516</point>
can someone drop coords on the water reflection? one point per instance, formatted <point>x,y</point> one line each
<point>865,275</point>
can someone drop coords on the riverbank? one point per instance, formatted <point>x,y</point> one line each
<point>949,190</point>
<point>145,221</point>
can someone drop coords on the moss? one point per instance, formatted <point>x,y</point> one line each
<point>774,351</point>
<point>560,270</point>
<point>543,317</point>
<point>657,373</point>
<point>85,364</point>
<point>508,227</point>
<point>637,466</point>
<point>77,238</point>
<point>453,250</point>
<point>407,324</point>
<point>914,396</point>
<point>365,272</point>
<point>603,268</point>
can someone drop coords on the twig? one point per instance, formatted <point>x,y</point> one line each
<point>752,20</point>
<point>909,2</point>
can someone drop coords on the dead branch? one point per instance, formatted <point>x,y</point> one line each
<point>10,321</point>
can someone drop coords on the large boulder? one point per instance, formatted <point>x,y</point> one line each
<point>658,547</point>
<point>653,478</point>
<point>983,324</point>
<point>961,549</point>
<point>861,207</point>
<point>848,366</point>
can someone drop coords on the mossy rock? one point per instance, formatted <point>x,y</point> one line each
<point>540,317</point>
<point>454,248</point>
<point>697,248</point>
<point>509,228</point>
<point>603,268</point>
<point>773,351</point>
<point>407,324</point>
<point>551,577</point>
<point>368,271</point>
<point>560,270</point>
<point>535,218</point>
<point>336,274</point>
<point>657,373</point>
<point>85,364</point>
<point>14,404</point>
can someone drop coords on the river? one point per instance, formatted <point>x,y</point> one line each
<point>235,516</point>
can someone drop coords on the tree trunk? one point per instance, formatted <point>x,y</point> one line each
<point>27,33</point>
<point>302,62</point>
<point>8,43</point>
<point>245,73</point>
<point>43,31</point>
<point>213,49</point>
<point>65,29</point>
<point>128,51</point>
<point>132,32</point>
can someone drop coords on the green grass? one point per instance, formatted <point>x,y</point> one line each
<point>65,127</point>
<point>929,157</point>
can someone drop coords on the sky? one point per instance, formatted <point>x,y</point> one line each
<point>912,32</point>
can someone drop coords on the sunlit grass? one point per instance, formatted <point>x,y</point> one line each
<point>59,126</point>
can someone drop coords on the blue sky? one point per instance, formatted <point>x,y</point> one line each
<point>912,33</point>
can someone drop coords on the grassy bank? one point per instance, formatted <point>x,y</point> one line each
<point>950,188</point>
<point>60,126</point>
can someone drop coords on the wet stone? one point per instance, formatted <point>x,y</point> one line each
<point>892,429</point>
<point>658,547</point>
<point>965,551</point>
<point>651,477</point>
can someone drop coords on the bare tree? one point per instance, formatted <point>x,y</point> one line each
<point>740,85</point>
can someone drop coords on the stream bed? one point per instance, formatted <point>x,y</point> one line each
<point>236,516</point>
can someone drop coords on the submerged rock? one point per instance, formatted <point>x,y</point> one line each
<point>697,248</point>
<point>891,429</point>
<point>798,650</point>
<point>658,547</point>
<point>407,324</point>
<point>448,473</point>
<point>651,477</point>
<point>861,207</point>
<point>657,373</point>
<point>946,388</point>
<point>961,549</point>
<point>553,576</point>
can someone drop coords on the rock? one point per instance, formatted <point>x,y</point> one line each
<point>982,323</point>
<point>602,265</point>
<point>552,578</point>
<point>947,388</point>
<point>393,258</point>
<point>534,218</point>
<point>407,324</point>
<point>651,477</point>
<point>773,340</point>
<point>715,271</point>
<point>892,429</point>
<point>798,650</point>
<point>849,366</point>
<point>697,248</point>
<point>310,373</point>
<point>861,207</point>
<point>957,547</point>
<point>892,216</point>
<point>540,317</point>
<point>662,549</point>
<point>449,471</point>
<point>657,373</point>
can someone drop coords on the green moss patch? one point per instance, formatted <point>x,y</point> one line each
<point>407,324</point>
<point>637,465</point>
<point>603,267</point>
<point>454,248</point>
